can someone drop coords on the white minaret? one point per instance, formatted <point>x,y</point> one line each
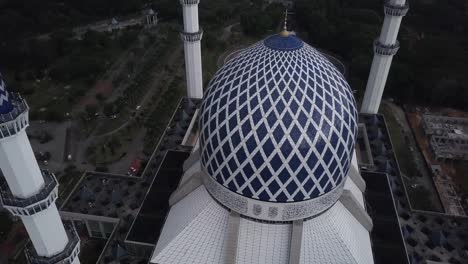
<point>384,50</point>
<point>192,36</point>
<point>151,18</point>
<point>28,192</point>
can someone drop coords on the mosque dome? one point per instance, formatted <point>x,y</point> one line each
<point>5,103</point>
<point>278,124</point>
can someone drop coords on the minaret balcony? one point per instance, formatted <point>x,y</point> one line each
<point>189,2</point>
<point>34,204</point>
<point>386,50</point>
<point>396,10</point>
<point>15,121</point>
<point>67,256</point>
<point>191,37</point>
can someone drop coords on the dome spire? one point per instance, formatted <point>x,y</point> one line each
<point>285,32</point>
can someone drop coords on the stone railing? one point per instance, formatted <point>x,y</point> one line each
<point>191,37</point>
<point>386,50</point>
<point>189,2</point>
<point>34,204</point>
<point>16,120</point>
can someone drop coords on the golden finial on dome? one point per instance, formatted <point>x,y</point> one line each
<point>285,32</point>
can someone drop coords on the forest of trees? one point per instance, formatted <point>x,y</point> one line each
<point>430,67</point>
<point>260,19</point>
<point>29,57</point>
<point>24,20</point>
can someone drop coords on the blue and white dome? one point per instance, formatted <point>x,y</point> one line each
<point>5,103</point>
<point>278,123</point>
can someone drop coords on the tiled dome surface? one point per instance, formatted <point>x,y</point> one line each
<point>5,103</point>
<point>278,125</point>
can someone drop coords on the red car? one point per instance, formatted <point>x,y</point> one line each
<point>134,167</point>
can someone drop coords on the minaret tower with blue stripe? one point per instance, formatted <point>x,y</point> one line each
<point>384,49</point>
<point>192,36</point>
<point>27,191</point>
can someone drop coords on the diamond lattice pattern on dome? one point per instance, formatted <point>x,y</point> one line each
<point>5,103</point>
<point>278,126</point>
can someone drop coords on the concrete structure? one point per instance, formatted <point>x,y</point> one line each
<point>448,136</point>
<point>151,18</point>
<point>428,236</point>
<point>192,36</point>
<point>28,192</point>
<point>384,50</point>
<point>273,176</point>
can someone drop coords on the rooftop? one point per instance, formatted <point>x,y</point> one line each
<point>427,235</point>
<point>387,241</point>
<point>152,215</point>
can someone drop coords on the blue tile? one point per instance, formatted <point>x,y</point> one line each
<point>264,196</point>
<point>302,174</point>
<point>284,175</point>
<point>258,160</point>
<point>292,187</point>
<point>273,187</point>
<point>240,154</point>
<point>251,144</point>
<point>246,128</point>
<point>282,197</point>
<point>276,162</point>
<point>295,162</point>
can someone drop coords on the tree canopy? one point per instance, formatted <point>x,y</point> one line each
<point>430,65</point>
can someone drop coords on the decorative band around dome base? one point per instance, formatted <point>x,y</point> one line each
<point>271,211</point>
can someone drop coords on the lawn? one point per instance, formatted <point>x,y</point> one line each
<point>420,196</point>
<point>157,121</point>
<point>401,149</point>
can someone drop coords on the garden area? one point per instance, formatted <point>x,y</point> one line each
<point>111,148</point>
<point>418,194</point>
<point>65,69</point>
<point>429,67</point>
<point>156,121</point>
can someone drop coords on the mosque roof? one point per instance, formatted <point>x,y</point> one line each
<point>284,42</point>
<point>278,123</point>
<point>199,230</point>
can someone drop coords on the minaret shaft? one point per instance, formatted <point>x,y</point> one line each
<point>19,166</point>
<point>191,18</point>
<point>192,36</point>
<point>46,231</point>
<point>30,193</point>
<point>384,50</point>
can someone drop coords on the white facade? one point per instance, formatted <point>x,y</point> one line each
<point>30,193</point>
<point>274,177</point>
<point>19,166</point>
<point>199,230</point>
<point>46,231</point>
<point>385,48</point>
<point>192,36</point>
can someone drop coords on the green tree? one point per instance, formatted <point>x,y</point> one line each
<point>255,23</point>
